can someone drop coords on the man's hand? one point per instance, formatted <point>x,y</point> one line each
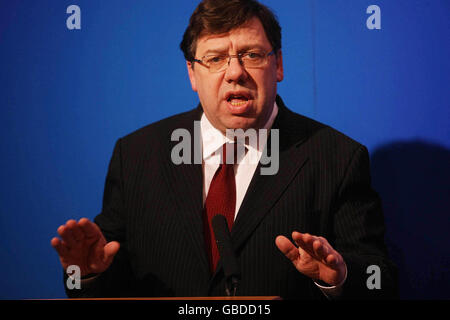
<point>84,245</point>
<point>314,257</point>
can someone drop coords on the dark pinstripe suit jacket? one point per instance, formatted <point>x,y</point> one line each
<point>154,209</point>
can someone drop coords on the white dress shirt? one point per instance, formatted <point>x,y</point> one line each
<point>212,142</point>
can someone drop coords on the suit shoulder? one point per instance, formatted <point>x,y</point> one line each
<point>161,129</point>
<point>325,137</point>
<point>331,136</point>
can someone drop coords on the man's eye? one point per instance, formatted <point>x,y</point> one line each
<point>253,55</point>
<point>215,59</point>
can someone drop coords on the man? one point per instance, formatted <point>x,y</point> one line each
<point>154,236</point>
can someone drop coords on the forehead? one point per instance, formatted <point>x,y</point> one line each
<point>251,34</point>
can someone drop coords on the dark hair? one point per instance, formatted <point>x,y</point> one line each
<point>220,16</point>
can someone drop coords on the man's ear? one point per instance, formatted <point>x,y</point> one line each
<point>280,73</point>
<point>191,75</point>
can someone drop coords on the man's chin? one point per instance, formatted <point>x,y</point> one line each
<point>241,123</point>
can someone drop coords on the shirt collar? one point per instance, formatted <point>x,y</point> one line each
<point>213,139</point>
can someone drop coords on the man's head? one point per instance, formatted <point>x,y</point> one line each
<point>241,94</point>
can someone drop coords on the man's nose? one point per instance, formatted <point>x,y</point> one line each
<point>235,71</point>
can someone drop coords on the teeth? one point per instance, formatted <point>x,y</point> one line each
<point>236,103</point>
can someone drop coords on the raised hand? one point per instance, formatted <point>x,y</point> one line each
<point>83,244</point>
<point>314,257</point>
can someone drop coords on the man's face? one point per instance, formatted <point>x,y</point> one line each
<point>237,97</point>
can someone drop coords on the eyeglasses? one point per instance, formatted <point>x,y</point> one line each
<point>219,62</point>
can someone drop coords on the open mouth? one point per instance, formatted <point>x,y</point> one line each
<point>237,100</point>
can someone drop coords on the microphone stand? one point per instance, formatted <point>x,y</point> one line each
<point>231,285</point>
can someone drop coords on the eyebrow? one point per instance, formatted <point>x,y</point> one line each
<point>210,51</point>
<point>244,48</point>
<point>249,47</point>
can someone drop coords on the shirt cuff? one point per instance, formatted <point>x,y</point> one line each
<point>88,279</point>
<point>333,292</point>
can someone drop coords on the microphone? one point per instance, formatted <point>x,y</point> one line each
<point>226,253</point>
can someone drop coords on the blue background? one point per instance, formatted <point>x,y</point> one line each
<point>67,95</point>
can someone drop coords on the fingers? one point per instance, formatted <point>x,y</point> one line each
<point>318,247</point>
<point>77,233</point>
<point>332,260</point>
<point>309,243</point>
<point>73,233</point>
<point>60,248</point>
<point>66,234</point>
<point>287,248</point>
<point>304,241</point>
<point>89,229</point>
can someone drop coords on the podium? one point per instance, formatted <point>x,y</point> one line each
<point>224,298</point>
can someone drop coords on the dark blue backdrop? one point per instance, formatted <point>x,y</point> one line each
<point>67,95</point>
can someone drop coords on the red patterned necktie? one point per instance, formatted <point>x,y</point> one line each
<point>221,199</point>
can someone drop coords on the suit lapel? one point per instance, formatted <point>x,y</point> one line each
<point>264,190</point>
<point>263,193</point>
<point>187,184</point>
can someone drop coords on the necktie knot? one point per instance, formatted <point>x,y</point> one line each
<point>232,153</point>
<point>228,153</point>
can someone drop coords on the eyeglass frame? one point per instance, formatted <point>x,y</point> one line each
<point>230,56</point>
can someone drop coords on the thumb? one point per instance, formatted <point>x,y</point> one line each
<point>110,251</point>
<point>287,247</point>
